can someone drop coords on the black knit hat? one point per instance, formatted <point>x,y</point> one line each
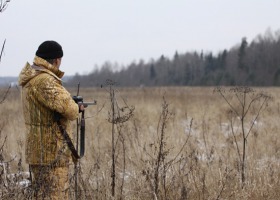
<point>49,50</point>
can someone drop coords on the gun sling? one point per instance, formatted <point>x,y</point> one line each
<point>70,143</point>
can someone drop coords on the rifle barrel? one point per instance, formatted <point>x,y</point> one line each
<point>89,103</point>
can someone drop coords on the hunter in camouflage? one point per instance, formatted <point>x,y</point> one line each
<point>43,96</point>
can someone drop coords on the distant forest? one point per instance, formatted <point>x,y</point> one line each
<point>254,64</point>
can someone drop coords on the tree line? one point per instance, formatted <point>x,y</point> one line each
<point>252,64</point>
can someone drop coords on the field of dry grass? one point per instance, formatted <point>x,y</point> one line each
<point>169,143</point>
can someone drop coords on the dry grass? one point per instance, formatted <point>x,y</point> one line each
<point>197,158</point>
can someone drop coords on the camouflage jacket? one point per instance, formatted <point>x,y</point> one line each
<point>42,96</point>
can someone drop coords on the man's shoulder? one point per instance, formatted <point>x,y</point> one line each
<point>45,75</point>
<point>45,78</point>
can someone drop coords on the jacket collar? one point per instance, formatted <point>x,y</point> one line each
<point>44,65</point>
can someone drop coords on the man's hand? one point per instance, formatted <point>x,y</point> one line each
<point>81,107</point>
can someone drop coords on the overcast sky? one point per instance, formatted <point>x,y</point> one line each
<point>94,31</point>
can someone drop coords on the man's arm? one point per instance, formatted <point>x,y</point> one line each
<point>54,96</point>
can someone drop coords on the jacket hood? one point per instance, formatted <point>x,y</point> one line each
<point>40,66</point>
<point>26,74</point>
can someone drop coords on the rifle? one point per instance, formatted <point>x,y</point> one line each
<point>79,100</point>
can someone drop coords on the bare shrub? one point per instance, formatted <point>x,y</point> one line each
<point>3,5</point>
<point>118,116</point>
<point>245,105</point>
<point>12,185</point>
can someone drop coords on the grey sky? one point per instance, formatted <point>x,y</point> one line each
<point>92,32</point>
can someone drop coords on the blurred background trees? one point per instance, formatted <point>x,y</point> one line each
<point>252,64</point>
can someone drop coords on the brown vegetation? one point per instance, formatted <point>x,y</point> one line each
<point>169,143</point>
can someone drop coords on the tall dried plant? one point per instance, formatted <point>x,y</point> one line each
<point>243,101</point>
<point>117,116</point>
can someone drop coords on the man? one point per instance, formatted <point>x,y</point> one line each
<point>43,98</point>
